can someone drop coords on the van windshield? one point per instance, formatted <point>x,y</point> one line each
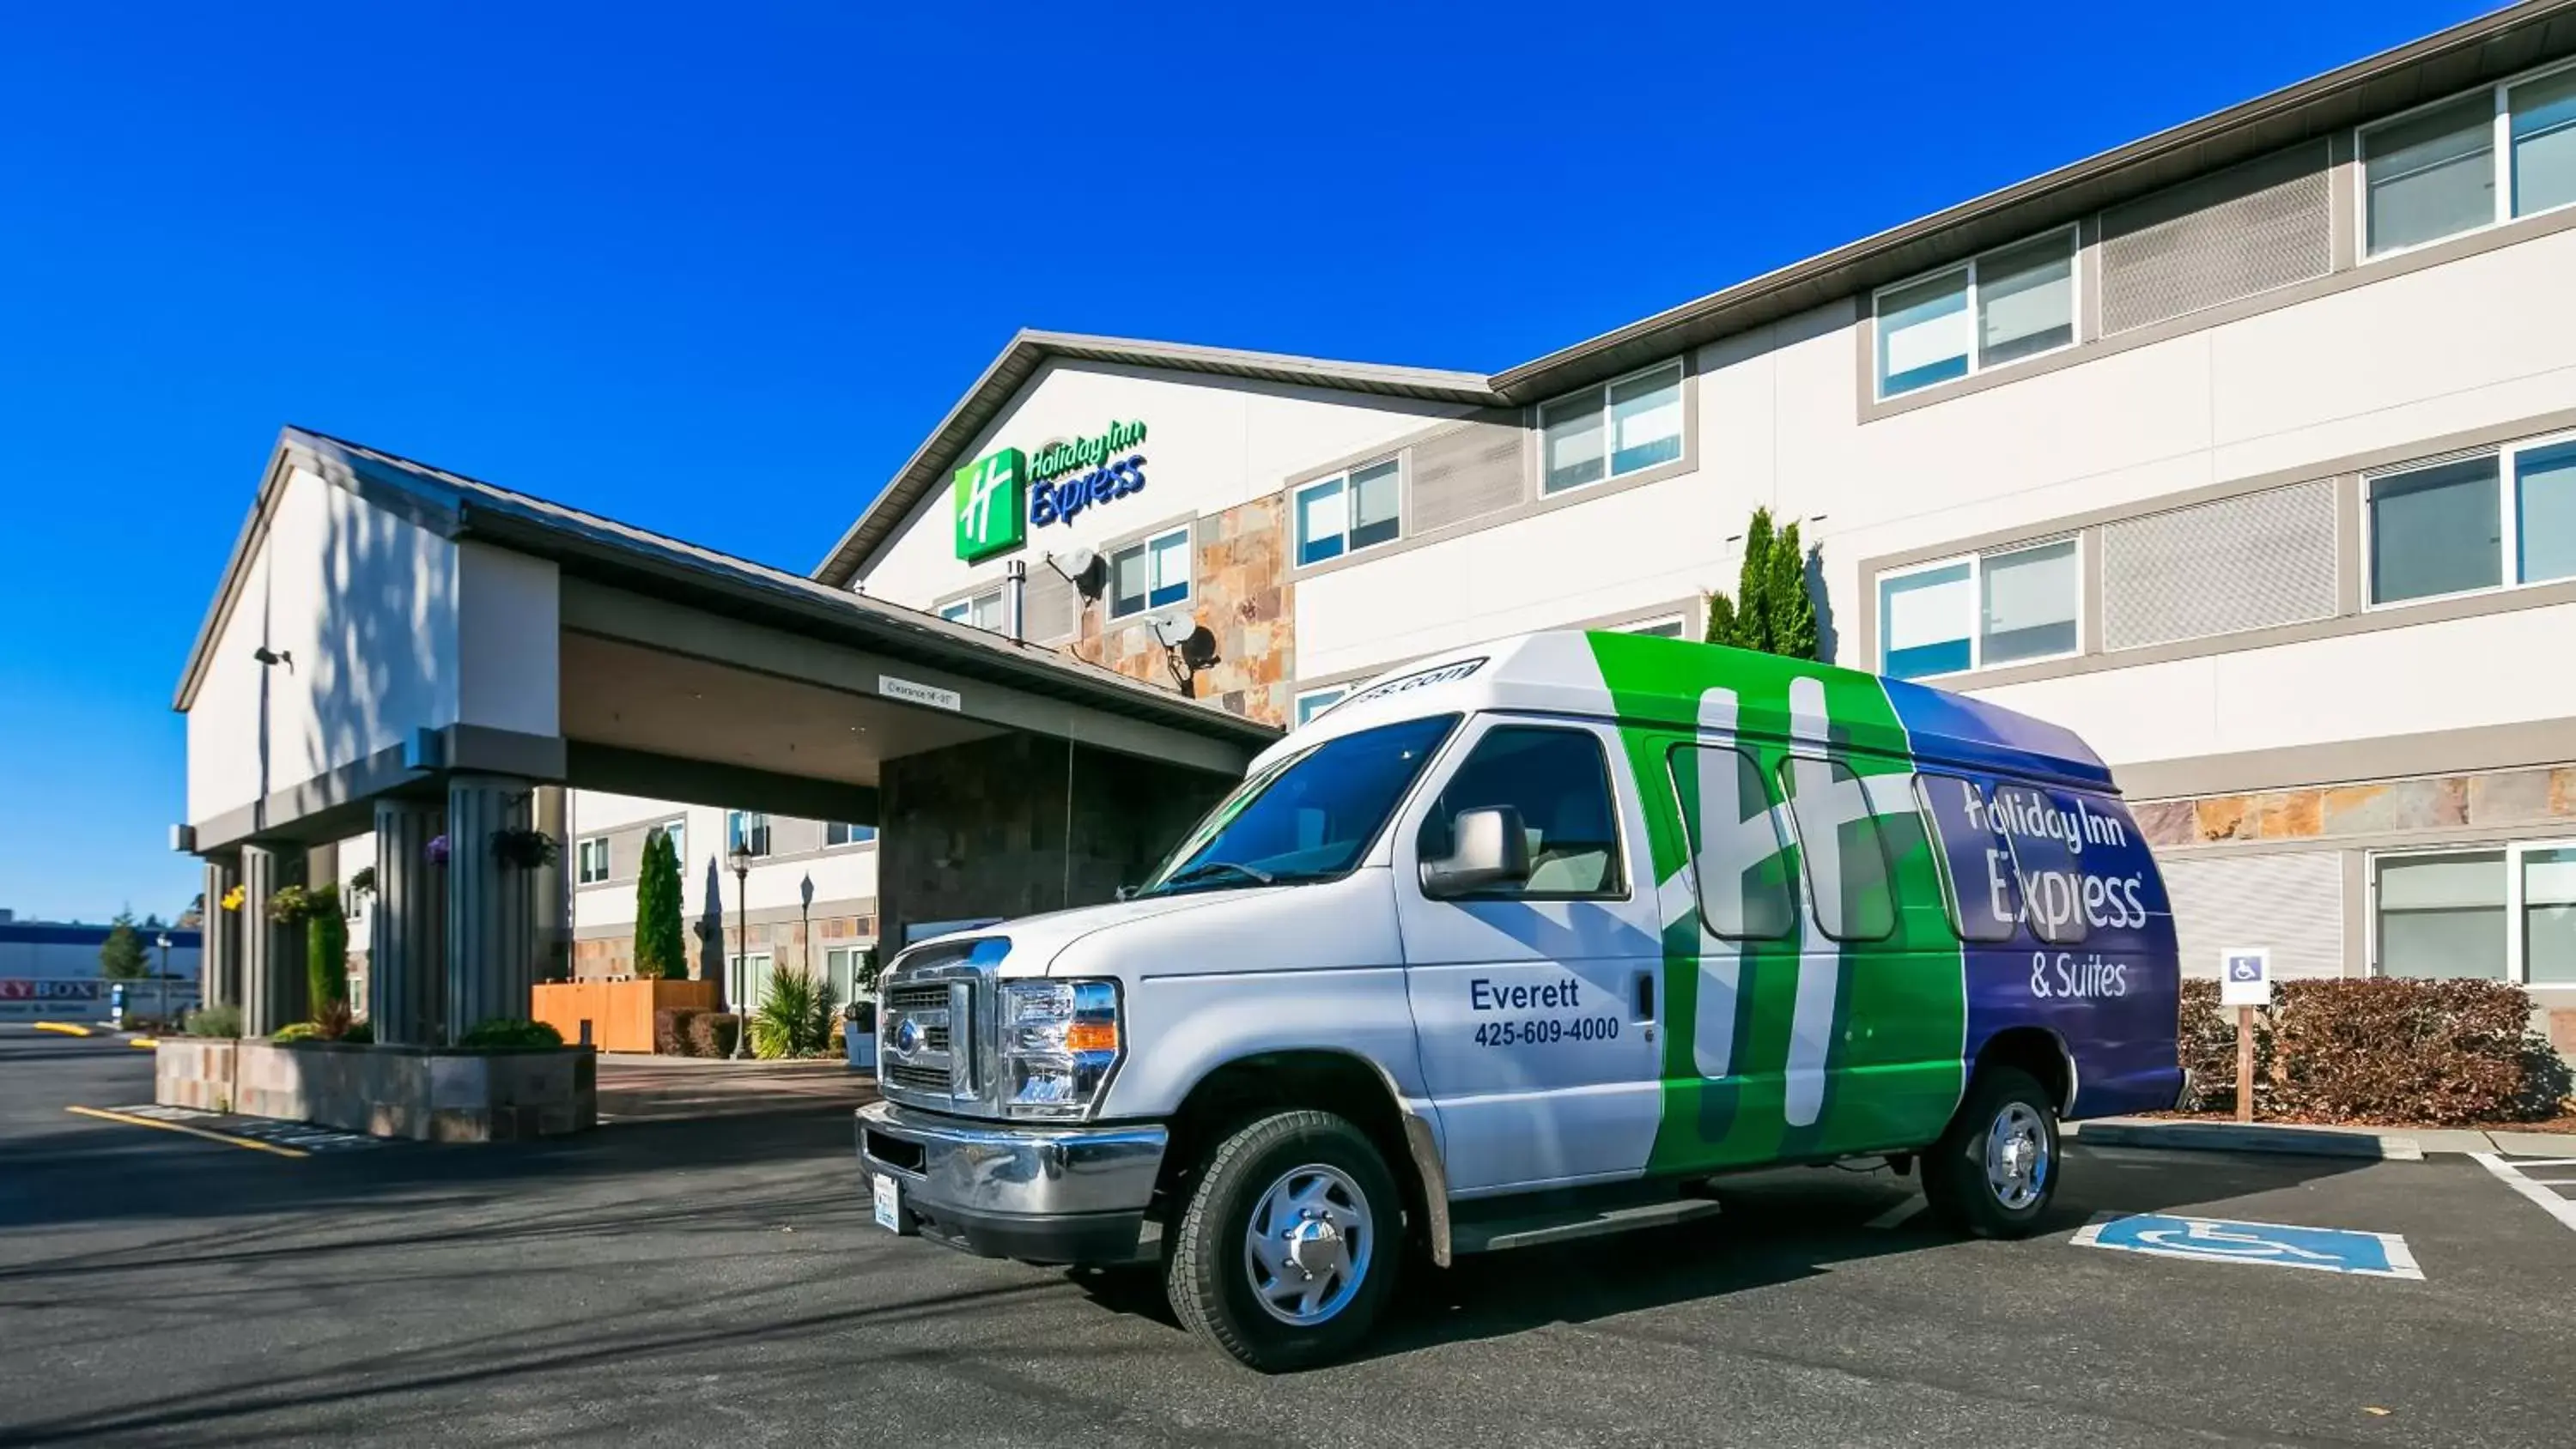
<point>1307,817</point>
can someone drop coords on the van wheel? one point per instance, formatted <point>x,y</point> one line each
<point>1995,1170</point>
<point>1289,1244</point>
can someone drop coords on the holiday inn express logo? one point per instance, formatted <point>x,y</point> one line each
<point>991,515</point>
<point>995,504</point>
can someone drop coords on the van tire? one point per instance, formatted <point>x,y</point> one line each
<point>1208,1274</point>
<point>2009,1102</point>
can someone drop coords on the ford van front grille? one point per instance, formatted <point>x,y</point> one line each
<point>931,1023</point>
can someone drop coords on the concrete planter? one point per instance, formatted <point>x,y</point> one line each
<point>421,1093</point>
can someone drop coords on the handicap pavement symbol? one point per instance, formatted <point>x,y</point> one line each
<point>2273,1245</point>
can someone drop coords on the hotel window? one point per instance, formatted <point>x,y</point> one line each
<point>1667,627</point>
<point>593,860</point>
<point>2499,914</point>
<point>2469,162</point>
<point>746,830</point>
<point>1151,574</point>
<point>2001,607</point>
<point>678,831</point>
<point>838,833</point>
<point>1347,513</point>
<point>981,611</point>
<point>1627,425</point>
<point>841,965</point>
<point>2005,305</point>
<point>2476,523</point>
<point>1315,701</point>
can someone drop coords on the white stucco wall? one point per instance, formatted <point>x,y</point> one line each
<point>366,605</point>
<point>1211,443</point>
<point>841,874</point>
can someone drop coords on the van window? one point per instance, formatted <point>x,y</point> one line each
<point>1739,858</point>
<point>1848,878</point>
<point>1976,860</point>
<point>1560,782</point>
<point>2045,832</point>
<point>1308,817</point>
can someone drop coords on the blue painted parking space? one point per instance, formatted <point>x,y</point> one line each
<point>2270,1245</point>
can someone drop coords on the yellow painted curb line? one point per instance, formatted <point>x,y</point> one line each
<point>143,1041</point>
<point>64,1027</point>
<point>226,1138</point>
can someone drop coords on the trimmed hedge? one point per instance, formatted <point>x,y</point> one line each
<point>712,1033</point>
<point>2379,1050</point>
<point>671,1030</point>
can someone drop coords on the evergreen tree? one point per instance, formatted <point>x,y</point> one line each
<point>1772,611</point>
<point>121,956</point>
<point>326,952</point>
<point>660,949</point>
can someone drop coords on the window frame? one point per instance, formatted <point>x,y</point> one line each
<point>2517,966</point>
<point>2499,161</point>
<point>1653,627</point>
<point>738,828</point>
<point>582,863</point>
<point>831,825</point>
<point>1341,478</point>
<point>2508,522</point>
<point>1610,473</point>
<point>2074,234</point>
<point>1975,559</point>
<point>678,830</point>
<point>1954,908</point>
<point>1145,544</point>
<point>1297,706</point>
<point>961,610</point>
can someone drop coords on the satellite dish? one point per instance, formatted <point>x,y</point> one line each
<point>1188,647</point>
<point>1199,650</point>
<point>1082,568</point>
<point>1172,630</point>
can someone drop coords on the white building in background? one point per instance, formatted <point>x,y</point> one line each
<point>2248,450</point>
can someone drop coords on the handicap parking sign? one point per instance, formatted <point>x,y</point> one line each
<point>2273,1245</point>
<point>2245,976</point>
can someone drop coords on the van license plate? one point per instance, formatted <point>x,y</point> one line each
<point>889,1202</point>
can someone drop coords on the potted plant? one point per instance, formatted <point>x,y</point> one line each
<point>522,848</point>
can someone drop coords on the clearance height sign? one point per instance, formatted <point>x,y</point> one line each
<point>998,496</point>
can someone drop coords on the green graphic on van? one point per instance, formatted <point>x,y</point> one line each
<point>992,516</point>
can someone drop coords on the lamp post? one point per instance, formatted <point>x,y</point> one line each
<point>805,922</point>
<point>742,936</point>
<point>161,987</point>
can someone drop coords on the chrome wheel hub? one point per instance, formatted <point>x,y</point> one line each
<point>1308,1246</point>
<point>2017,1162</point>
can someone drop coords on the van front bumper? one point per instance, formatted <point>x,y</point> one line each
<point>1041,1194</point>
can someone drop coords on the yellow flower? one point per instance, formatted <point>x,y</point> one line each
<point>233,899</point>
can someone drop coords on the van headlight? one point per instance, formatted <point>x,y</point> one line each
<point>1059,1041</point>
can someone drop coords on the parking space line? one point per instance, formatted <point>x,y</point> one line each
<point>62,1028</point>
<point>226,1138</point>
<point>2511,1176</point>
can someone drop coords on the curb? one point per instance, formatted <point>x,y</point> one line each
<point>2313,1141</point>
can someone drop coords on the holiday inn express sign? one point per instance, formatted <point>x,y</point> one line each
<point>1000,494</point>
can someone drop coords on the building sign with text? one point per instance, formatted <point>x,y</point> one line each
<point>999,495</point>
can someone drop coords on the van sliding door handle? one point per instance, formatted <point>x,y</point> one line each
<point>1646,996</point>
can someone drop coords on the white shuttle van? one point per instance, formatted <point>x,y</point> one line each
<point>1529,942</point>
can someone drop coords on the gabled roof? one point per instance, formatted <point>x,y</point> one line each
<point>2473,53</point>
<point>939,453</point>
<point>587,545</point>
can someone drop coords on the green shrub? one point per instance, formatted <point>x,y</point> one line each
<point>661,950</point>
<point>502,1031</point>
<point>294,1032</point>
<point>215,1021</point>
<point>2379,1050</point>
<point>795,1016</point>
<point>326,951</point>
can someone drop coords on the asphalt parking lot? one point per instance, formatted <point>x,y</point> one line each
<point>719,1282</point>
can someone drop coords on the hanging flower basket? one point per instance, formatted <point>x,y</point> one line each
<point>233,898</point>
<point>523,849</point>
<point>436,851</point>
<point>364,882</point>
<point>290,904</point>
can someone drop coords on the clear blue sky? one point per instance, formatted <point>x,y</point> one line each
<point>717,271</point>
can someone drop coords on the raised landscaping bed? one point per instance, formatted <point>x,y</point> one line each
<point>425,1094</point>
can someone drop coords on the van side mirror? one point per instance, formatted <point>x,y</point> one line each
<point>1486,849</point>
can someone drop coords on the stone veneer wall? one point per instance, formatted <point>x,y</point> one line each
<point>1240,591</point>
<point>2504,800</point>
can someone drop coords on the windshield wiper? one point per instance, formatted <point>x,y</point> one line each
<point>1209,869</point>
